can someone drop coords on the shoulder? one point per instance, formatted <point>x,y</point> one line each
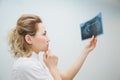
<point>30,70</point>
<point>29,64</point>
<point>26,67</point>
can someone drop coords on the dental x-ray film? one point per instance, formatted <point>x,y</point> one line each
<point>92,27</point>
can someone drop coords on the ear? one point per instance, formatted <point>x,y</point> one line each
<point>28,39</point>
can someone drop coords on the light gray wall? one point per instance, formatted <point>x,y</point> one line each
<point>62,19</point>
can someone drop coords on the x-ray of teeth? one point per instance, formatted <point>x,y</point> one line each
<point>92,27</point>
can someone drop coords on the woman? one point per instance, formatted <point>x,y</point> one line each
<point>26,40</point>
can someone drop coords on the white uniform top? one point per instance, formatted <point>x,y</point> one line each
<point>30,69</point>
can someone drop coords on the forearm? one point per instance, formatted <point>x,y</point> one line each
<point>70,73</point>
<point>55,73</point>
<point>76,66</point>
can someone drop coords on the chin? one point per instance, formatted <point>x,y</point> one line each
<point>46,49</point>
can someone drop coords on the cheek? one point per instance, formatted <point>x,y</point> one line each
<point>40,41</point>
<point>42,45</point>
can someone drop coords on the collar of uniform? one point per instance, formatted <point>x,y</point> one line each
<point>34,55</point>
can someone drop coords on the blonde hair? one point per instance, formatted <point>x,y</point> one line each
<point>26,24</point>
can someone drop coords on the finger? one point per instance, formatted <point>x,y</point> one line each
<point>92,39</point>
<point>48,51</point>
<point>93,36</point>
<point>45,56</point>
<point>95,40</point>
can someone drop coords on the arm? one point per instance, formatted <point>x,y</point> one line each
<point>70,73</point>
<point>55,73</point>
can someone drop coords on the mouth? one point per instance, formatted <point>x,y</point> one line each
<point>47,44</point>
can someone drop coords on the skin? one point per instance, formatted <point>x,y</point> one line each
<point>40,42</point>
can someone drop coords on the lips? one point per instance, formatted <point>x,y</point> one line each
<point>47,44</point>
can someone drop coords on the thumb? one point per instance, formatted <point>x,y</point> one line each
<point>47,53</point>
<point>45,56</point>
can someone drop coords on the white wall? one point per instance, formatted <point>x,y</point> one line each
<point>62,19</point>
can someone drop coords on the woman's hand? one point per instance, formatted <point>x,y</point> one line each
<point>91,44</point>
<point>50,59</point>
<point>51,62</point>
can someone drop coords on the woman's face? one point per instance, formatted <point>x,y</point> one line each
<point>40,41</point>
